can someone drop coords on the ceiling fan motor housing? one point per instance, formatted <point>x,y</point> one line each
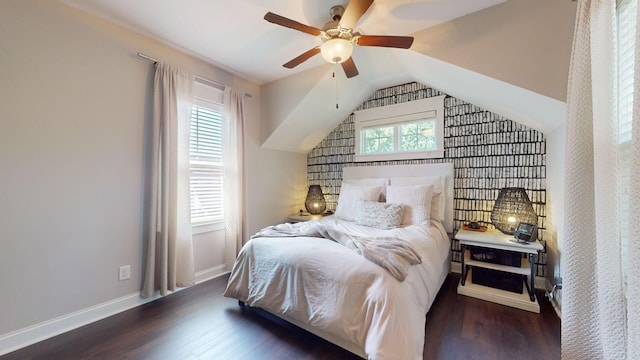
<point>332,28</point>
<point>336,12</point>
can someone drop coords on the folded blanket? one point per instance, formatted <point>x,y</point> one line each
<point>393,254</point>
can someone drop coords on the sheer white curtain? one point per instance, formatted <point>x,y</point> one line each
<point>595,324</point>
<point>233,179</point>
<point>169,261</point>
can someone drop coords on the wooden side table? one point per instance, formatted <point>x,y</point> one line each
<point>300,218</point>
<point>494,239</point>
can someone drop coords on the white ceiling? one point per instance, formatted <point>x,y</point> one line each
<point>234,36</point>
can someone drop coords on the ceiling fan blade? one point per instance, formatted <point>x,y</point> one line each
<point>402,42</point>
<point>292,24</point>
<point>302,57</point>
<point>349,68</point>
<point>353,12</point>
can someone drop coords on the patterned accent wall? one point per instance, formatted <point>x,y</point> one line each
<point>488,152</point>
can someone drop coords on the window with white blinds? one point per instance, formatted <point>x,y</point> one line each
<point>206,165</point>
<point>627,10</point>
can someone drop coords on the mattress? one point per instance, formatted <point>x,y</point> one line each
<point>330,287</point>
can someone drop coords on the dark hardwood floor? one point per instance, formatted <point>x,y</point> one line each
<point>199,323</point>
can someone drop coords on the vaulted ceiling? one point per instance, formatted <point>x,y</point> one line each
<point>510,57</point>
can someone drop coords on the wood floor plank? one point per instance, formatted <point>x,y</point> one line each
<point>199,323</point>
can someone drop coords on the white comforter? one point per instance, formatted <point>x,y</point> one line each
<point>330,287</point>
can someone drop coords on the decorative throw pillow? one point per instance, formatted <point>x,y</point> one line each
<point>379,215</point>
<point>349,197</point>
<point>417,201</point>
<point>437,201</point>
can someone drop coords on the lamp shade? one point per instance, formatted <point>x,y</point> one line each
<point>512,207</point>
<point>315,203</point>
<point>336,50</point>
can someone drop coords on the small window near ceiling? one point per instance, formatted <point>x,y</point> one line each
<point>205,156</point>
<point>412,130</point>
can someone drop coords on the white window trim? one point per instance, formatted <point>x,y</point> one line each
<point>208,97</point>
<point>205,227</point>
<point>626,16</point>
<point>397,114</point>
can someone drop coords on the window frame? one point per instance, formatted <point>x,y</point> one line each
<point>625,112</point>
<point>210,98</point>
<point>395,116</point>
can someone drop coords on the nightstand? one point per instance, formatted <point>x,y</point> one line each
<point>300,218</point>
<point>494,239</point>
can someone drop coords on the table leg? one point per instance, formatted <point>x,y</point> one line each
<point>532,276</point>
<point>464,268</point>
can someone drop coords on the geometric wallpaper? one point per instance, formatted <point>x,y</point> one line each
<point>488,152</point>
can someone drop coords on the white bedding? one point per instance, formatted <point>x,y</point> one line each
<point>330,287</point>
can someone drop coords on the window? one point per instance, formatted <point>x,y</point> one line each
<point>412,130</point>
<point>419,136</point>
<point>378,139</point>
<point>205,156</point>
<point>627,11</point>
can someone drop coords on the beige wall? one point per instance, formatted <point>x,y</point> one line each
<point>74,125</point>
<point>556,152</point>
<point>526,43</point>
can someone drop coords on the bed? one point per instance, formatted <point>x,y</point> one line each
<point>354,291</point>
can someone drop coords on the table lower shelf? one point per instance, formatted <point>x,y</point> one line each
<point>508,298</point>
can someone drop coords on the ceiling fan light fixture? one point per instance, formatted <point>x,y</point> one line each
<point>336,50</point>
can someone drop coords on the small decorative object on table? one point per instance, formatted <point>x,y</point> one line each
<point>526,232</point>
<point>474,226</point>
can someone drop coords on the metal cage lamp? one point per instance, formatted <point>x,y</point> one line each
<point>315,203</point>
<point>512,207</point>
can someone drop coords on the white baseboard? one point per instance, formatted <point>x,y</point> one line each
<point>539,282</point>
<point>32,334</point>
<point>557,306</point>
<point>211,273</point>
<point>50,328</point>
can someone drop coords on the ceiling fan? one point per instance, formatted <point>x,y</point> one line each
<point>338,37</point>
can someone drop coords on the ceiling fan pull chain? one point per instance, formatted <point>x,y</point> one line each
<point>336,80</point>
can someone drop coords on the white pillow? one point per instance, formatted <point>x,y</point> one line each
<point>383,182</point>
<point>437,202</point>
<point>417,201</point>
<point>349,197</point>
<point>379,215</point>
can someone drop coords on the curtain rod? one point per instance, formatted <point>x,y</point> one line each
<point>198,77</point>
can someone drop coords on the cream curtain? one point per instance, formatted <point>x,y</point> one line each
<point>233,178</point>
<point>594,309</point>
<point>169,261</point>
<point>633,247</point>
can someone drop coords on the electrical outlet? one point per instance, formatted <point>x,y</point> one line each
<point>558,282</point>
<point>124,273</point>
